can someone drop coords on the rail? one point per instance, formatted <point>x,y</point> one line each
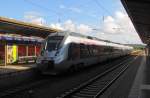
<point>97,85</point>
<point>30,86</point>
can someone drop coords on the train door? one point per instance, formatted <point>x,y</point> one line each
<point>74,52</point>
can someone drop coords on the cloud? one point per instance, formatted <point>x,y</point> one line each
<point>119,29</point>
<point>34,17</point>
<point>82,28</point>
<point>109,25</point>
<point>120,23</point>
<point>71,26</point>
<point>38,21</point>
<point>56,26</point>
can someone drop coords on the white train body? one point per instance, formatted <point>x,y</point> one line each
<point>64,50</point>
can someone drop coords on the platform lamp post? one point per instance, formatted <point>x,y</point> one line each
<point>5,44</point>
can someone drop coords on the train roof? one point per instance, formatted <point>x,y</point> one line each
<point>77,35</point>
<point>64,33</point>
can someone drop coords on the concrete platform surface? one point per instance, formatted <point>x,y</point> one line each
<point>12,75</point>
<point>15,68</point>
<point>128,85</point>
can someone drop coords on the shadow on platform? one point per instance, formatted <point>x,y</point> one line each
<point>145,87</point>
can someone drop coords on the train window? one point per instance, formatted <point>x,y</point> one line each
<point>111,49</point>
<point>51,46</point>
<point>100,50</point>
<point>107,49</point>
<point>90,50</point>
<point>90,47</point>
<point>95,50</point>
<point>74,51</point>
<point>116,50</point>
<point>55,38</point>
<point>84,52</point>
<point>53,42</point>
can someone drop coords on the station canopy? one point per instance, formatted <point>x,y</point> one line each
<point>11,26</point>
<point>139,13</point>
<point>16,39</point>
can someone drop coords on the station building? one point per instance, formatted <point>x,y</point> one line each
<point>19,49</point>
<point>20,42</point>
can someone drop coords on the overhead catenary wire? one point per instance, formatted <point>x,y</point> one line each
<point>42,7</point>
<point>102,7</point>
<point>58,14</point>
<point>108,12</point>
<point>48,9</point>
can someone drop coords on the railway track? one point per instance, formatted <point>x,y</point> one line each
<point>98,85</point>
<point>29,87</point>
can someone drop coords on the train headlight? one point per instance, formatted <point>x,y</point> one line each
<point>58,58</point>
<point>38,60</point>
<point>57,53</point>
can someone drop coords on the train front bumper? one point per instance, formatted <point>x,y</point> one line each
<point>45,65</point>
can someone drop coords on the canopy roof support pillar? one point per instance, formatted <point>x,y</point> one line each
<point>5,54</point>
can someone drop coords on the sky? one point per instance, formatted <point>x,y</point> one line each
<point>105,19</point>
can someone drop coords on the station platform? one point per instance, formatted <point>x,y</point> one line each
<point>15,68</point>
<point>16,74</point>
<point>141,85</point>
<point>134,83</point>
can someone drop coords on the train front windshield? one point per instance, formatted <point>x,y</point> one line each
<point>53,42</point>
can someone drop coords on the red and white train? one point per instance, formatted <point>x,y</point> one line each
<point>67,50</point>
